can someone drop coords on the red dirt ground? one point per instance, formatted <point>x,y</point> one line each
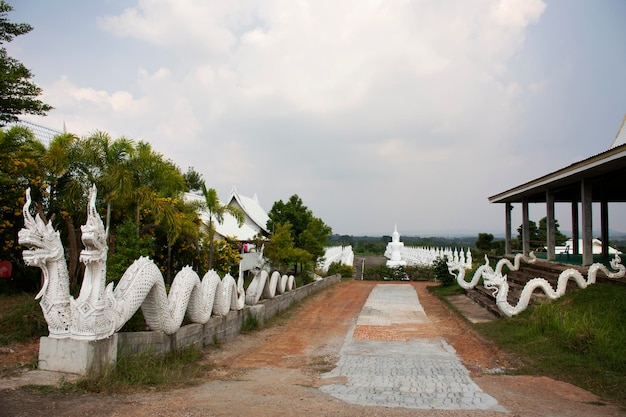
<point>276,371</point>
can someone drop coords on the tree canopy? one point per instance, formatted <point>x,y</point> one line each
<point>539,234</point>
<point>308,233</point>
<point>140,193</point>
<point>484,241</point>
<point>18,95</point>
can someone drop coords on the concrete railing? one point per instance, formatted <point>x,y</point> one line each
<point>218,329</point>
<point>423,256</point>
<point>92,357</point>
<point>336,254</point>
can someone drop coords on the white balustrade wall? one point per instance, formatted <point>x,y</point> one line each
<point>424,256</point>
<point>336,254</point>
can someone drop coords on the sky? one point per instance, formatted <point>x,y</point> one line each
<point>375,113</point>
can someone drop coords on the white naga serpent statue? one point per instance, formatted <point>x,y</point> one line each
<point>100,310</point>
<point>495,281</point>
<point>268,288</point>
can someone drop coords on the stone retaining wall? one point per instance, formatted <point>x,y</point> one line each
<point>217,329</point>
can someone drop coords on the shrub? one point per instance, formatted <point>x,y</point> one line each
<point>384,272</point>
<point>420,273</point>
<point>346,271</point>
<point>440,269</point>
<point>375,273</point>
<point>128,247</point>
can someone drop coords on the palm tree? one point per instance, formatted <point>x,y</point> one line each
<point>153,180</point>
<point>216,212</point>
<point>20,168</point>
<point>63,159</point>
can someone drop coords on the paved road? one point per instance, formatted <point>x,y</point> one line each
<point>421,372</point>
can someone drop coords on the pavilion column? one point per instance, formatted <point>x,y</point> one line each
<point>604,225</point>
<point>587,227</point>
<point>575,236</point>
<point>551,225</point>
<point>525,228</point>
<point>507,229</point>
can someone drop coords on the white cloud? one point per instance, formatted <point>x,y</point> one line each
<point>171,24</point>
<point>537,87</point>
<point>517,13</point>
<point>321,98</point>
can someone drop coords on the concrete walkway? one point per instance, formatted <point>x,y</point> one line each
<point>393,358</point>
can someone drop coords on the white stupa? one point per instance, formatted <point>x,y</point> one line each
<point>394,250</point>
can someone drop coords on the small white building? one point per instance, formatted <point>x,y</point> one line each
<point>596,246</point>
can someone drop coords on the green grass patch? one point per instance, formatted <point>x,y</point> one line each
<point>443,291</point>
<point>21,319</point>
<point>580,338</point>
<point>250,323</point>
<point>176,369</point>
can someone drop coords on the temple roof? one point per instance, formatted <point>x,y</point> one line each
<point>620,138</point>
<point>251,207</point>
<point>255,217</point>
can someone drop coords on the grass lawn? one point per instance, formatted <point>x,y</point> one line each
<point>580,338</point>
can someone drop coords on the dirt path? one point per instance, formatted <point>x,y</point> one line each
<point>276,372</point>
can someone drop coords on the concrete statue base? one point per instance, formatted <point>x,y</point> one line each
<point>82,357</point>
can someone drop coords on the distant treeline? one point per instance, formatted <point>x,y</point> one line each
<point>375,245</point>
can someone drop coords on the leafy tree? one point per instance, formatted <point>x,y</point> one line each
<point>227,257</point>
<point>308,233</point>
<point>281,245</point>
<point>484,241</point>
<point>346,240</point>
<point>133,181</point>
<point>193,180</point>
<point>180,225</point>
<point>533,234</point>
<point>542,233</point>
<point>294,212</point>
<point>18,94</point>
<point>135,185</point>
<point>313,238</point>
<point>20,168</point>
<point>280,249</point>
<point>153,180</point>
<point>129,247</point>
<point>74,164</point>
<point>539,234</point>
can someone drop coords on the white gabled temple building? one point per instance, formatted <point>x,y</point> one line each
<point>255,217</point>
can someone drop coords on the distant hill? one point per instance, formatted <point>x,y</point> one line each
<point>429,241</point>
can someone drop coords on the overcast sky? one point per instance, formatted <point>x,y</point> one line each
<point>374,112</point>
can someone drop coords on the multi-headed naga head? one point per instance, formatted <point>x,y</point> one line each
<point>616,263</point>
<point>493,280</point>
<point>41,242</point>
<point>94,235</point>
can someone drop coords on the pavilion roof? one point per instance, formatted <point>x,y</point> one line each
<point>620,138</point>
<point>607,169</point>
